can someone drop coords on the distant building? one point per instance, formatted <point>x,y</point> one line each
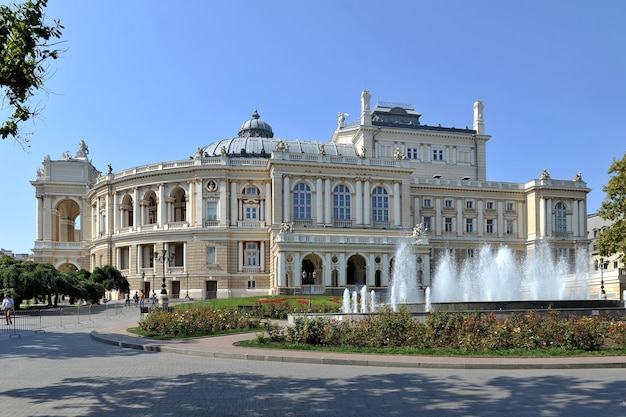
<point>256,214</point>
<point>18,256</point>
<point>609,270</point>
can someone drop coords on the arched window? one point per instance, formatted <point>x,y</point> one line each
<point>127,209</point>
<point>301,201</point>
<point>180,205</point>
<point>380,205</point>
<point>560,218</point>
<point>341,203</point>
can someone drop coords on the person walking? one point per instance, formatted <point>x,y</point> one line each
<point>142,298</point>
<point>7,307</point>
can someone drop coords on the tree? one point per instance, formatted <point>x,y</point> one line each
<point>27,44</point>
<point>110,278</point>
<point>613,239</point>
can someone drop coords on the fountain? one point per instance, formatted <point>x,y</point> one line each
<point>495,275</point>
<point>404,288</point>
<point>493,280</point>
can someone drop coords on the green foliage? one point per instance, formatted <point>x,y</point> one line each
<point>462,332</point>
<point>110,278</point>
<point>613,240</point>
<point>27,280</point>
<point>195,322</point>
<point>27,44</point>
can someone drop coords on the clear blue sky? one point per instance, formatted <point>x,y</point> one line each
<point>151,81</point>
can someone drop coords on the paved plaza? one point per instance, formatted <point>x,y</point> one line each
<point>77,368</point>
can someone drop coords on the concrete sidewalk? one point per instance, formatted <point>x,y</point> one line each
<point>222,347</point>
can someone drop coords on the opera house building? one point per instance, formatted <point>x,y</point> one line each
<point>257,214</point>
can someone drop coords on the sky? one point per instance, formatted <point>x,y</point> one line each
<point>145,81</point>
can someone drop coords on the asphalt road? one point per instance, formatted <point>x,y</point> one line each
<point>64,372</point>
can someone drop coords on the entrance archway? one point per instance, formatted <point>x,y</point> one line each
<point>311,270</point>
<point>356,270</point>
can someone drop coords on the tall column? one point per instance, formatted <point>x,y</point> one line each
<point>575,220</point>
<point>286,199</point>
<point>199,215</point>
<point>161,206</point>
<point>520,221</point>
<point>268,204</point>
<point>240,255</point>
<point>358,200</point>
<point>500,225</point>
<point>549,217</point>
<point>367,203</point>
<point>460,226</point>
<point>223,204</point>
<point>262,256</point>
<point>328,201</point>
<point>136,208</point>
<point>384,268</point>
<point>481,218</point>
<point>341,266</point>
<point>116,211</point>
<point>319,200</point>
<point>233,204</point>
<point>107,204</point>
<point>281,271</point>
<point>542,218</point>
<point>581,218</point>
<point>97,218</point>
<point>189,203</point>
<point>370,278</point>
<point>40,217</point>
<point>396,204</point>
<point>417,217</point>
<point>438,218</point>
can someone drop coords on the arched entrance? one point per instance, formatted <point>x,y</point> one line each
<point>311,270</point>
<point>68,212</point>
<point>356,270</point>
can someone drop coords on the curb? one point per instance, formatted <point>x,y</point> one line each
<point>489,363</point>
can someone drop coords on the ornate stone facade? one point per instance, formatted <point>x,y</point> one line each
<point>260,215</point>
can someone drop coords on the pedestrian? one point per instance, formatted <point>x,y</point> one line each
<point>154,298</point>
<point>7,307</point>
<point>136,297</point>
<point>142,298</point>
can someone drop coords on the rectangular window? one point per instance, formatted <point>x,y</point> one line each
<point>426,224</point>
<point>469,204</point>
<point>252,254</point>
<point>448,224</point>
<point>428,202</point>
<point>470,253</point>
<point>252,212</point>
<point>490,205</point>
<point>510,206</point>
<point>437,155</point>
<point>469,225</point>
<point>210,255</point>
<point>125,258</point>
<point>411,153</point>
<point>463,157</point>
<point>211,210</point>
<point>448,203</point>
<point>489,226</point>
<point>251,285</point>
<point>510,227</point>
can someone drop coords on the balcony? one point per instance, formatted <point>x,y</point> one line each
<point>342,223</point>
<point>250,224</point>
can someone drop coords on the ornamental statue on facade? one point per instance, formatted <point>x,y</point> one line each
<point>578,177</point>
<point>545,175</point>
<point>82,151</point>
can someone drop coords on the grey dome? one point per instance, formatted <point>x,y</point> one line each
<point>255,127</point>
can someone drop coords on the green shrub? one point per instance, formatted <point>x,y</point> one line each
<point>194,322</point>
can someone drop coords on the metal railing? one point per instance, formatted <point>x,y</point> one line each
<point>40,319</point>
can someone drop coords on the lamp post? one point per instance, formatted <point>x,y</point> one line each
<point>187,276</point>
<point>309,277</point>
<point>164,258</point>
<point>602,264</point>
